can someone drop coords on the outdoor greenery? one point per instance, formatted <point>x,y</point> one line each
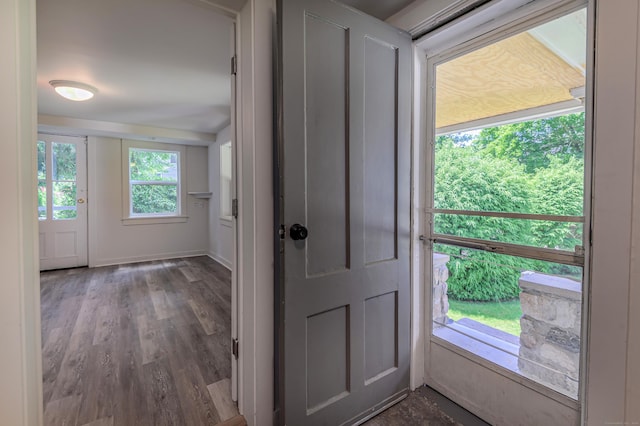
<point>503,316</point>
<point>63,175</point>
<point>529,167</point>
<point>154,181</point>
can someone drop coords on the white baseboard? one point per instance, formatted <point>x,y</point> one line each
<point>221,260</point>
<point>147,258</point>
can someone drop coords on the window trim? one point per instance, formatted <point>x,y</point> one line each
<point>128,218</point>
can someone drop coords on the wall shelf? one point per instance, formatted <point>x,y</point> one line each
<point>200,194</point>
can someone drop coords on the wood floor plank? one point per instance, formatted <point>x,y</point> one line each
<point>234,421</point>
<point>99,385</point>
<point>63,411</point>
<point>162,396</point>
<point>204,316</point>
<point>106,421</point>
<point>162,304</point>
<point>195,400</point>
<point>67,313</point>
<point>107,322</point>
<point>149,340</point>
<point>53,353</point>
<point>129,400</point>
<point>136,344</point>
<point>73,369</point>
<point>220,392</point>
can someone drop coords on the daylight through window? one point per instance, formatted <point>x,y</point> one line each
<point>154,182</point>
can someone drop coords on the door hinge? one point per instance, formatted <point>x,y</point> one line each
<point>234,65</point>
<point>234,208</point>
<point>235,348</point>
<point>282,232</point>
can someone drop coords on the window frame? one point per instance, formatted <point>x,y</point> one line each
<point>456,48</point>
<point>439,47</point>
<point>226,187</point>
<point>128,217</point>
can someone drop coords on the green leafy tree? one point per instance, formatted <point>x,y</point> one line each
<point>558,190</point>
<point>529,167</point>
<point>534,143</point>
<point>63,173</point>
<point>154,166</point>
<point>467,179</point>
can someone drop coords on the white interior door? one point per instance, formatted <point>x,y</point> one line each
<point>62,201</point>
<point>346,153</point>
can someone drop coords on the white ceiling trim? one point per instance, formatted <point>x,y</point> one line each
<point>80,127</point>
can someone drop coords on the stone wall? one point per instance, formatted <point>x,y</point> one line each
<point>550,337</point>
<point>440,298</point>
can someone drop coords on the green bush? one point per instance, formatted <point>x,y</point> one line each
<point>466,179</point>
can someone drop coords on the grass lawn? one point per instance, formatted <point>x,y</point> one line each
<point>504,316</point>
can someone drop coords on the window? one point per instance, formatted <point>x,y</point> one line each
<point>154,173</point>
<point>225,181</point>
<point>57,179</point>
<point>507,201</point>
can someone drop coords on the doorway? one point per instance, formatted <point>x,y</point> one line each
<point>507,197</point>
<point>149,292</point>
<point>62,206</point>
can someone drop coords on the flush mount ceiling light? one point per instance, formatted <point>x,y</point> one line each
<point>73,90</point>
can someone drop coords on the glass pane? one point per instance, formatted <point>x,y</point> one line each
<point>534,164</point>
<point>153,165</point>
<point>536,233</point>
<point>225,179</point>
<point>64,200</point>
<point>154,199</point>
<point>42,200</point>
<point>529,167</point>
<point>42,161</point>
<point>522,314</point>
<point>64,161</point>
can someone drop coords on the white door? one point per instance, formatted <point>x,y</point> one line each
<point>507,151</point>
<point>62,201</point>
<point>345,147</point>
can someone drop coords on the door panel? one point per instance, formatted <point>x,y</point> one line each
<point>345,149</point>
<point>380,121</point>
<point>62,207</point>
<point>326,145</point>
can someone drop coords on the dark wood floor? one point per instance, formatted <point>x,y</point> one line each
<point>140,344</point>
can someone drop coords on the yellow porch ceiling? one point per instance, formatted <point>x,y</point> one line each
<point>514,74</point>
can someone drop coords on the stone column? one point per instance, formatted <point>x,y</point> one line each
<point>550,337</point>
<point>440,298</point>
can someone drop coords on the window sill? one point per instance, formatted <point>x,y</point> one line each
<point>153,220</point>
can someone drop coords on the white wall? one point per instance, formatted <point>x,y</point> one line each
<point>220,230</point>
<point>20,363</point>
<point>111,241</point>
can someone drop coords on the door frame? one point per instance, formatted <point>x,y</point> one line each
<point>80,176</point>
<point>21,363</point>
<point>448,39</point>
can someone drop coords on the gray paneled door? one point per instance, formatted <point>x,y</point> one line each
<point>345,151</point>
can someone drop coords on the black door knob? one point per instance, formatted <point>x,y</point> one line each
<point>298,232</point>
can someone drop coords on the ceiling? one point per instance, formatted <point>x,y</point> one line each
<point>381,9</point>
<point>161,63</point>
<point>158,63</point>
<point>540,71</point>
